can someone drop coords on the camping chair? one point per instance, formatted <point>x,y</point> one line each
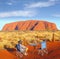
<point>43,48</point>
<point>20,54</point>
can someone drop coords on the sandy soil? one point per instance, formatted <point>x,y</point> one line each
<point>53,52</point>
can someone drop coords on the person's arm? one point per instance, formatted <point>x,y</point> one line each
<point>16,47</point>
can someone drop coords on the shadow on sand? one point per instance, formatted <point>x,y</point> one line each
<point>9,49</point>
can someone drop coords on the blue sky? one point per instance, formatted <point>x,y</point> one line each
<point>18,10</point>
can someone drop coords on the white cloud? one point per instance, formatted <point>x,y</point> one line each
<point>9,3</point>
<point>53,0</point>
<point>41,4</point>
<point>17,13</point>
<point>56,15</point>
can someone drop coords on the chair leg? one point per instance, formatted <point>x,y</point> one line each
<point>45,51</point>
<point>41,52</point>
<point>18,54</point>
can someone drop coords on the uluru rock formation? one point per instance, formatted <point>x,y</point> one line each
<point>30,25</point>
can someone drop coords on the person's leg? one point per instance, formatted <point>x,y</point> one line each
<point>24,51</point>
<point>45,51</point>
<point>41,52</point>
<point>19,54</point>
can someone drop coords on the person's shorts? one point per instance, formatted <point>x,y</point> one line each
<point>22,50</point>
<point>39,48</point>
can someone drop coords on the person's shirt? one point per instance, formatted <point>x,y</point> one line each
<point>43,45</point>
<point>20,47</point>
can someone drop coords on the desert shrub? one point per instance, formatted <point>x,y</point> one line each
<point>7,37</point>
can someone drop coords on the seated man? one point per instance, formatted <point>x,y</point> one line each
<point>21,49</point>
<point>43,48</point>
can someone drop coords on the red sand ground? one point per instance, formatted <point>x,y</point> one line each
<point>53,52</point>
